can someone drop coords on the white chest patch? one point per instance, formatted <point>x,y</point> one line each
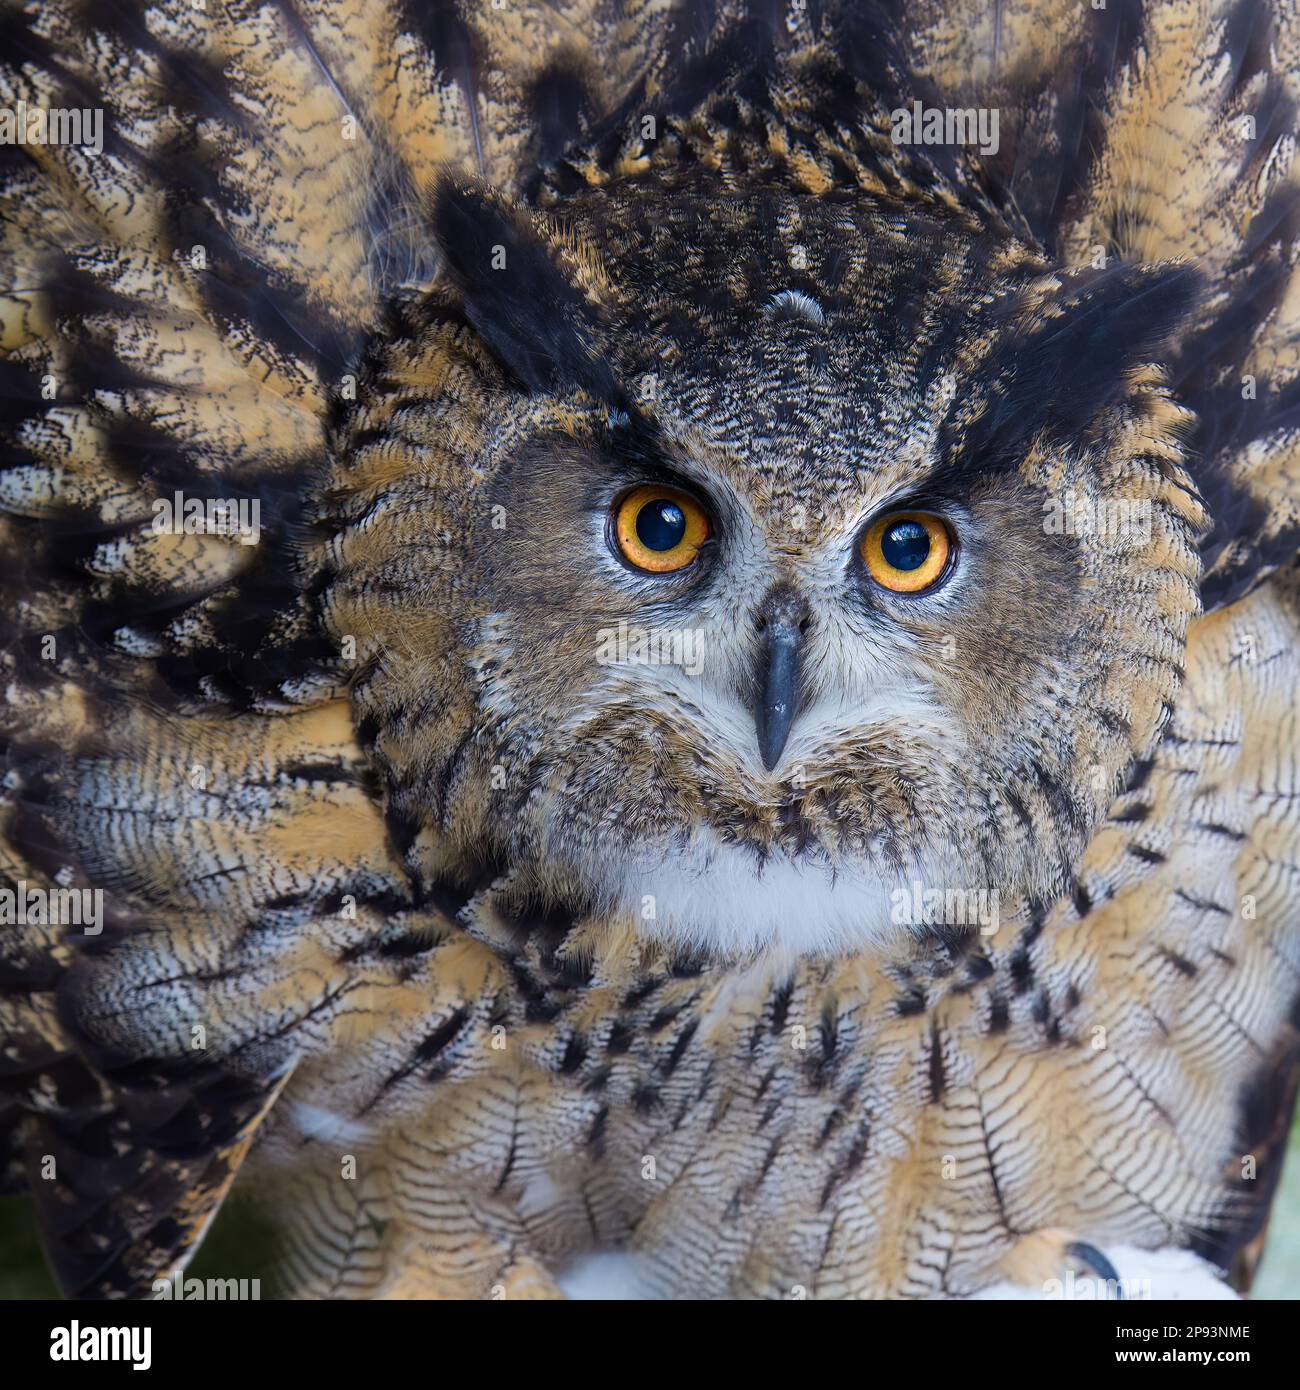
<point>717,897</point>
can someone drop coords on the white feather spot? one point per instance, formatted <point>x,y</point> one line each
<point>1144,1274</point>
<point>794,304</point>
<point>608,1275</point>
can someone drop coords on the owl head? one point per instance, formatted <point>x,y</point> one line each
<point>743,563</point>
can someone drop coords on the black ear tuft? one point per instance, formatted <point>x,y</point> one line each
<point>1055,377</point>
<point>1126,315</point>
<point>535,321</point>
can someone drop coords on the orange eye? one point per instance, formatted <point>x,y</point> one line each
<point>659,529</point>
<point>907,551</point>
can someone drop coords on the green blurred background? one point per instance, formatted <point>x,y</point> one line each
<point>240,1245</point>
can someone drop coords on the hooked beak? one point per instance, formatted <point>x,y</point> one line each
<point>778,687</point>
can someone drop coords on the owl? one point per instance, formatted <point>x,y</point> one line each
<point>650,646</point>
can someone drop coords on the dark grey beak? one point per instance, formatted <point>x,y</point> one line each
<point>778,677</point>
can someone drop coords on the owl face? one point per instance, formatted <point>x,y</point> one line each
<point>798,557</point>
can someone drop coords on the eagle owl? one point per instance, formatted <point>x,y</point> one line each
<point>650,645</point>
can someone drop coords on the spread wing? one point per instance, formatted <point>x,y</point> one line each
<point>186,294</point>
<point>1147,132</point>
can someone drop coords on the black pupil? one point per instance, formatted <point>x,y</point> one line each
<point>905,545</point>
<point>660,525</point>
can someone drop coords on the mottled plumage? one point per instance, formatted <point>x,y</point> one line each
<point>484,958</point>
